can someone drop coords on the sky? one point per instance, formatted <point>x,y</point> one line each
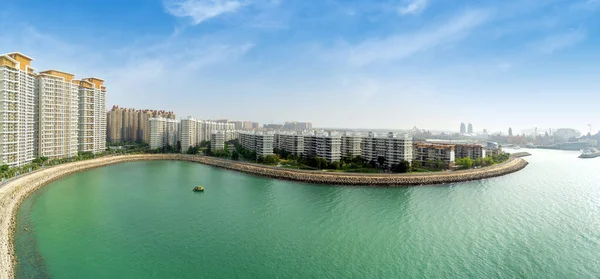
<point>389,64</point>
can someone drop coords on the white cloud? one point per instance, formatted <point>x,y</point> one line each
<point>413,7</point>
<point>202,10</point>
<point>403,46</point>
<point>557,42</point>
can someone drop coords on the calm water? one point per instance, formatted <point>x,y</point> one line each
<point>141,220</point>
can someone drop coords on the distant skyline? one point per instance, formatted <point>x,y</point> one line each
<point>390,64</point>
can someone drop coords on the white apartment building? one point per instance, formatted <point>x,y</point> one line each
<point>217,141</point>
<point>394,148</point>
<point>290,142</point>
<point>17,112</point>
<point>351,145</point>
<point>261,143</point>
<point>189,134</point>
<point>57,114</point>
<point>163,132</point>
<point>327,146</point>
<point>92,115</point>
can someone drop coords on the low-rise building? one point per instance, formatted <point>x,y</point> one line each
<point>431,152</point>
<point>261,143</point>
<point>473,151</point>
<point>290,142</point>
<point>351,145</point>
<point>327,146</point>
<point>393,148</point>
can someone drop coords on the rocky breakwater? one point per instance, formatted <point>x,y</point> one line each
<point>388,180</point>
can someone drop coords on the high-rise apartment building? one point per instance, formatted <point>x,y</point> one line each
<point>163,132</point>
<point>470,128</point>
<point>48,114</point>
<point>57,115</point>
<point>92,115</point>
<point>463,128</point>
<point>127,124</point>
<point>17,94</point>
<point>189,134</point>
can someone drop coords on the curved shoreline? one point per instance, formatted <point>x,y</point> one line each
<point>12,193</point>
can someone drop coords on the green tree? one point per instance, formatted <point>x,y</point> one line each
<point>464,163</point>
<point>439,164</point>
<point>380,161</point>
<point>235,155</point>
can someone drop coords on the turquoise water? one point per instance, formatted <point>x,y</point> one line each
<point>141,220</point>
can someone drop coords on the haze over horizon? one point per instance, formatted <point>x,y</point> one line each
<point>390,64</point>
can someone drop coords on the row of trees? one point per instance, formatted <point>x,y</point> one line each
<point>467,163</point>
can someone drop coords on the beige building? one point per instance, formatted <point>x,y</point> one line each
<point>430,152</point>
<point>92,116</point>
<point>17,124</point>
<point>57,114</point>
<point>127,124</point>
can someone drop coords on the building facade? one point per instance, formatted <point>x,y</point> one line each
<point>393,148</point>
<point>92,115</point>
<point>290,142</point>
<point>217,141</point>
<point>327,146</point>
<point>261,143</point>
<point>351,146</point>
<point>57,115</point>
<point>163,132</point>
<point>431,152</point>
<point>189,134</point>
<point>17,116</point>
<point>128,124</point>
<point>473,151</point>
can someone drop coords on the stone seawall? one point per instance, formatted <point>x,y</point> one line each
<point>12,193</point>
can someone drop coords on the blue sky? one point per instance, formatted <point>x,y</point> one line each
<point>355,63</point>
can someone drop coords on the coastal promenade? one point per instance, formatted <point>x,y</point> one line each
<point>13,192</point>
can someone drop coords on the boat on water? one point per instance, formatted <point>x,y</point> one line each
<point>517,147</point>
<point>198,189</point>
<point>589,153</point>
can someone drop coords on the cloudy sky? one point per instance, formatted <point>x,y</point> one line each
<point>338,63</point>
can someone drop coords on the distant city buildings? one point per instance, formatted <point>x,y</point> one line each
<point>48,114</point>
<point>470,128</point>
<point>463,128</point>
<point>510,132</point>
<point>128,124</point>
<point>297,126</point>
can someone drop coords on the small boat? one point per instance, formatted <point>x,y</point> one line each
<point>198,189</point>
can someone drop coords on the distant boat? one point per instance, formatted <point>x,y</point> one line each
<point>517,147</point>
<point>589,153</point>
<point>198,189</point>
